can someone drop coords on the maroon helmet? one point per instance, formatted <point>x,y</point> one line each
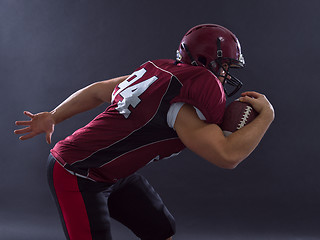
<point>211,46</point>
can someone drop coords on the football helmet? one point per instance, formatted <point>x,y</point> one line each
<point>213,46</point>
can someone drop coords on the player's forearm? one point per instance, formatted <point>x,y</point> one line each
<point>241,143</point>
<point>80,101</point>
<point>86,99</point>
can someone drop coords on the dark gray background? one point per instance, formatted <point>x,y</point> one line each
<point>50,48</point>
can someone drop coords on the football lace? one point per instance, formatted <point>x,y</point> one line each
<point>245,117</point>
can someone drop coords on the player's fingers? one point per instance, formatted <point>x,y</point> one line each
<point>24,123</point>
<point>251,94</point>
<point>29,114</point>
<point>246,99</point>
<point>25,137</point>
<point>23,130</point>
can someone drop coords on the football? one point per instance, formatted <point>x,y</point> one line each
<point>236,116</point>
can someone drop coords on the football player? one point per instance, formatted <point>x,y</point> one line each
<point>154,113</point>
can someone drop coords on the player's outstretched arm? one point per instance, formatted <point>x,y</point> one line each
<point>86,98</point>
<point>81,101</point>
<point>208,141</point>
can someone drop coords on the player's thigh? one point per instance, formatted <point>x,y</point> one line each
<point>83,211</point>
<point>96,208</point>
<point>138,206</point>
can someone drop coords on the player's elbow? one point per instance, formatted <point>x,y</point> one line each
<point>226,160</point>
<point>227,164</point>
<point>231,165</point>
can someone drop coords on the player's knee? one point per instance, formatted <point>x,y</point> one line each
<point>170,229</point>
<point>164,227</point>
<point>167,227</point>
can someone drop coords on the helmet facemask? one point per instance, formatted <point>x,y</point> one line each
<point>231,84</point>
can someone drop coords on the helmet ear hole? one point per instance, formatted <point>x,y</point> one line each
<point>202,60</point>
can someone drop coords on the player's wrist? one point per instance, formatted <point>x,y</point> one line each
<point>267,114</point>
<point>54,116</point>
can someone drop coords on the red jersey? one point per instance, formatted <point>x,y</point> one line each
<point>133,130</point>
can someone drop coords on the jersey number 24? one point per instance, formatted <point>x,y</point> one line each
<point>130,91</point>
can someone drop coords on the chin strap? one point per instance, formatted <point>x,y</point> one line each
<point>219,51</point>
<point>193,62</point>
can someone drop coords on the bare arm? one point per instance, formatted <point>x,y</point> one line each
<point>81,101</point>
<point>86,99</point>
<point>208,141</point>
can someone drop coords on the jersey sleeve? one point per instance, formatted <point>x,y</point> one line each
<point>174,110</point>
<point>173,113</point>
<point>205,92</point>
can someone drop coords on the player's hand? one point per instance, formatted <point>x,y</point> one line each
<point>259,102</point>
<point>40,123</point>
